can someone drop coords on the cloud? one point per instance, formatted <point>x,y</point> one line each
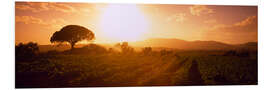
<point>44,6</point>
<point>62,7</point>
<point>240,32</point>
<point>180,17</point>
<point>210,21</point>
<point>34,7</point>
<point>248,21</point>
<point>54,23</point>
<point>248,24</point>
<point>85,11</point>
<point>58,23</point>
<point>198,10</point>
<point>28,20</point>
<point>25,7</point>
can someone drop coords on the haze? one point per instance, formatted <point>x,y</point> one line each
<point>136,22</point>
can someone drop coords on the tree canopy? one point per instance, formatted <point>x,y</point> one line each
<point>72,34</point>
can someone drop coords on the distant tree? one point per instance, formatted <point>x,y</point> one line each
<point>147,50</point>
<point>163,52</point>
<point>72,34</point>
<point>125,48</point>
<point>111,50</point>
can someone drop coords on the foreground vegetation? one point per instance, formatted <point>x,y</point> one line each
<point>94,65</point>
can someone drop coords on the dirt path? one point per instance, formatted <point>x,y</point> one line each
<point>165,77</point>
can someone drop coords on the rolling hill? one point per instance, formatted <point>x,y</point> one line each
<point>161,43</point>
<point>190,45</point>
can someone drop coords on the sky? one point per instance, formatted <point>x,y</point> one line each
<point>36,21</point>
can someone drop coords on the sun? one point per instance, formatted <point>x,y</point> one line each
<point>123,23</point>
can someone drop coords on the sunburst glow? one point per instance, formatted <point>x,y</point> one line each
<point>123,23</point>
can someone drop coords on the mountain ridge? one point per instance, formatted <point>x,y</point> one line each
<point>190,45</point>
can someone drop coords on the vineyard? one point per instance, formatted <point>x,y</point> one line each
<point>88,67</point>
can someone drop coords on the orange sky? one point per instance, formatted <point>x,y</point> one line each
<point>131,22</point>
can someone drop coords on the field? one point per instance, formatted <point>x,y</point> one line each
<point>66,44</point>
<point>98,66</point>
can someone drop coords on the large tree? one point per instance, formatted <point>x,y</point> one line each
<point>72,34</point>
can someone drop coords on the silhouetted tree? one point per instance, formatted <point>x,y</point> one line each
<point>72,34</point>
<point>125,48</point>
<point>166,52</point>
<point>111,50</point>
<point>146,50</point>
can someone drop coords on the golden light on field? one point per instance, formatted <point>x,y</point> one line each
<point>123,23</point>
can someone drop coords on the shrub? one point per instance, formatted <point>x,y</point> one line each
<point>240,53</point>
<point>26,51</point>
<point>91,48</point>
<point>146,50</point>
<point>125,48</point>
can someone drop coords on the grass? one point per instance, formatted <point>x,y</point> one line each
<point>136,69</point>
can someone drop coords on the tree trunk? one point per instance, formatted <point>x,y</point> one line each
<point>72,45</point>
